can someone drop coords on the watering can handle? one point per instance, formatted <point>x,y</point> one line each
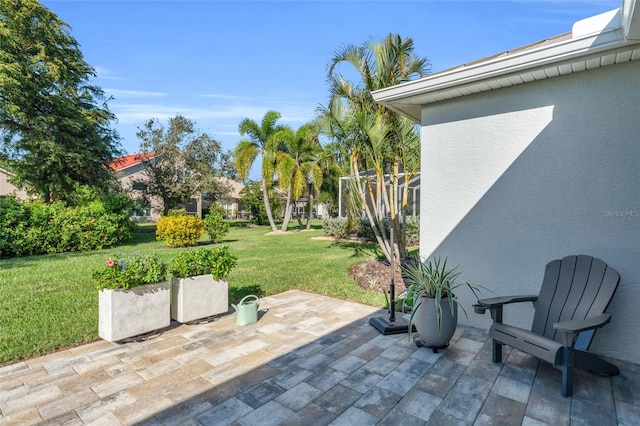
<point>251,295</point>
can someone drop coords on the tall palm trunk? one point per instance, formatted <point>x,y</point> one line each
<point>267,207</point>
<point>287,211</point>
<point>310,206</point>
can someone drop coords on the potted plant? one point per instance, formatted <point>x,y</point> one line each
<point>199,287</point>
<point>133,296</point>
<point>431,286</point>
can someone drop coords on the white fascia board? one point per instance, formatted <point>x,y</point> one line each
<point>406,98</point>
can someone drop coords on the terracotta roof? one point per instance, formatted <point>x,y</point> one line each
<point>129,160</point>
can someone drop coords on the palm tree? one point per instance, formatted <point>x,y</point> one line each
<point>337,122</point>
<point>258,143</point>
<point>379,140</point>
<point>297,167</point>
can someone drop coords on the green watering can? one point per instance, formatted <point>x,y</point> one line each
<point>247,310</point>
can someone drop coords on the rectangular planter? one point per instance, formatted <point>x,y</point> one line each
<point>127,313</point>
<point>198,297</point>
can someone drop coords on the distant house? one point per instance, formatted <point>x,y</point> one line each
<point>130,169</point>
<point>233,207</point>
<point>7,188</point>
<point>130,172</point>
<point>532,155</point>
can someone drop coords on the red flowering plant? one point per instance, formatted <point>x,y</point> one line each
<point>127,272</point>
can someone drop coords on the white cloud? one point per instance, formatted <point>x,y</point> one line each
<point>228,97</point>
<point>120,93</point>
<point>105,73</point>
<point>137,113</point>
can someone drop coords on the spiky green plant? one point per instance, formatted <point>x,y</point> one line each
<point>433,279</point>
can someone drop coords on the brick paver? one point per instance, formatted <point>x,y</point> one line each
<point>310,359</point>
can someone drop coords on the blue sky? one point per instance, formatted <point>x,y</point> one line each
<point>218,62</point>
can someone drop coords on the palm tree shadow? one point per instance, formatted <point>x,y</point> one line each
<point>211,243</point>
<point>359,249</point>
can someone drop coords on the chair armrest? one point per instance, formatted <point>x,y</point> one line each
<point>495,302</point>
<point>577,326</point>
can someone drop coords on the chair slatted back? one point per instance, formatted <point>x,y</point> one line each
<point>575,287</point>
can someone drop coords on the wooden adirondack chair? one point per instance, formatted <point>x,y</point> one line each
<point>575,292</point>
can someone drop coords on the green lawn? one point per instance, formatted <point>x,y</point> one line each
<point>50,302</point>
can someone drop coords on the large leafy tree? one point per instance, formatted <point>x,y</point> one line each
<point>181,162</point>
<point>381,147</point>
<point>258,142</point>
<point>54,124</point>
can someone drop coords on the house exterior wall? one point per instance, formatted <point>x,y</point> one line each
<point>131,175</point>
<point>516,177</point>
<point>7,188</point>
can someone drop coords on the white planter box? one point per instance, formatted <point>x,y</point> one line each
<point>127,313</point>
<point>198,297</point>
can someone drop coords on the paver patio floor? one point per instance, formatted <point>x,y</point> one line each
<point>310,359</point>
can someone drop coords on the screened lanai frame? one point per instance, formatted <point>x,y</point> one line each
<point>413,198</point>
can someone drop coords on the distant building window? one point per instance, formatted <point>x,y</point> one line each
<point>191,206</point>
<point>145,212</point>
<point>139,186</point>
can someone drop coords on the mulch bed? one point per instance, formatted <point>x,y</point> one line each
<point>375,275</point>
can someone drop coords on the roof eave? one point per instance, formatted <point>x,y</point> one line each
<point>505,70</point>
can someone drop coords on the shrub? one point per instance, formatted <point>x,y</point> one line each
<point>33,227</point>
<point>177,212</point>
<point>336,227</point>
<point>125,273</point>
<point>364,230</point>
<point>217,261</point>
<point>215,225</point>
<point>179,231</point>
<point>412,230</point>
<point>410,224</point>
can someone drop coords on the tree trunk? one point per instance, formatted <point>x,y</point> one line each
<point>380,238</point>
<point>310,207</point>
<point>267,206</point>
<point>299,218</point>
<point>287,211</point>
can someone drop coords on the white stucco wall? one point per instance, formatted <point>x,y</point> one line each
<point>516,177</point>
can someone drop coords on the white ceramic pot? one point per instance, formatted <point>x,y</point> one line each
<point>426,321</point>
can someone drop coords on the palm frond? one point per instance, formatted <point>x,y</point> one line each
<point>244,155</point>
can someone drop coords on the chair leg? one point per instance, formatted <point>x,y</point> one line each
<point>567,372</point>
<point>497,351</point>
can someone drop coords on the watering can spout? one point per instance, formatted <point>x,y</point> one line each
<point>247,310</point>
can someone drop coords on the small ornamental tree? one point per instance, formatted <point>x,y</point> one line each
<point>253,200</point>
<point>214,223</point>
